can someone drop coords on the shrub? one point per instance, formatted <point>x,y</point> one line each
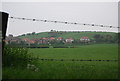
<point>16,56</point>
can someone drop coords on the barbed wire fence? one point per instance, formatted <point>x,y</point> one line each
<point>64,22</point>
<point>45,59</point>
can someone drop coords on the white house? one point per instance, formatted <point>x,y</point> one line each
<point>84,39</point>
<point>69,40</point>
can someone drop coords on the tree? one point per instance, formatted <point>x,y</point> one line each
<point>28,33</point>
<point>33,33</point>
<point>23,35</point>
<point>10,35</point>
<point>51,30</point>
<point>108,38</point>
<point>98,38</point>
<point>117,38</point>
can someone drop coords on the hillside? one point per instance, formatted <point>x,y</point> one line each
<point>75,35</point>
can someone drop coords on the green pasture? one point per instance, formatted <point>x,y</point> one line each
<point>70,69</point>
<point>98,51</point>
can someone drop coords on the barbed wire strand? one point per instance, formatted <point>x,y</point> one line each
<point>65,22</point>
<point>46,59</point>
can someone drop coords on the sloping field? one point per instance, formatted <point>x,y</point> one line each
<point>75,35</point>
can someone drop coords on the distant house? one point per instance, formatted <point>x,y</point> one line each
<point>84,39</point>
<point>31,41</point>
<point>69,40</point>
<point>28,41</point>
<point>25,39</point>
<point>11,39</point>
<point>51,38</point>
<point>43,40</point>
<point>59,38</point>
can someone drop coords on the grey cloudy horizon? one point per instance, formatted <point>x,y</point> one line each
<point>105,13</point>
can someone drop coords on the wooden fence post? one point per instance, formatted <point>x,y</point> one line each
<point>3,27</point>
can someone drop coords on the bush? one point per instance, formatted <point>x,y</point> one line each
<point>16,56</point>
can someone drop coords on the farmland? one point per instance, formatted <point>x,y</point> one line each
<point>70,69</point>
<point>98,51</point>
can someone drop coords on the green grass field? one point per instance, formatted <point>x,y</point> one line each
<point>100,51</point>
<point>71,69</point>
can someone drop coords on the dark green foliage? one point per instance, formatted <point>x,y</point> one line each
<point>21,44</point>
<point>15,56</point>
<point>105,38</point>
<point>118,36</point>
<point>98,38</point>
<point>23,35</point>
<point>28,33</point>
<point>33,33</point>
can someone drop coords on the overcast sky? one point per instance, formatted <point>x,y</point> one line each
<point>105,13</point>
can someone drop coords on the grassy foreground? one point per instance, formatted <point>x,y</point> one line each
<point>70,69</point>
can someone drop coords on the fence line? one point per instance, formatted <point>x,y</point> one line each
<point>65,22</point>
